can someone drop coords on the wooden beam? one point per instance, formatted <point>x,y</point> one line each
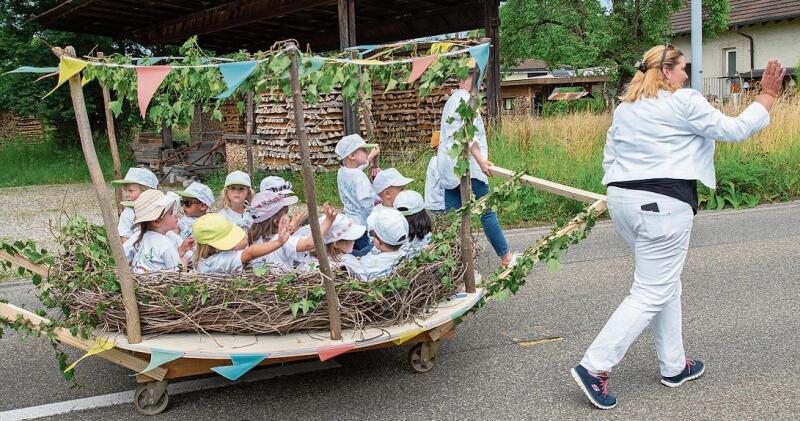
<point>115,355</point>
<point>23,262</point>
<point>120,261</point>
<point>549,186</point>
<point>61,10</point>
<point>492,25</point>
<point>226,16</point>
<point>347,38</point>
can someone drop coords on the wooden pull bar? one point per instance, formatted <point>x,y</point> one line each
<point>549,186</point>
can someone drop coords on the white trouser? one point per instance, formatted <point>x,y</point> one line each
<point>659,242</point>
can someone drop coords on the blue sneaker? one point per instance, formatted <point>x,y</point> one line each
<point>693,370</point>
<point>595,388</point>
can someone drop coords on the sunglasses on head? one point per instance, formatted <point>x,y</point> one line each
<point>667,47</point>
<point>188,202</point>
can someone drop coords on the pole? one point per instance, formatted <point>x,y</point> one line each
<point>87,144</point>
<point>311,198</point>
<point>112,142</point>
<point>697,46</point>
<point>249,131</point>
<point>466,193</point>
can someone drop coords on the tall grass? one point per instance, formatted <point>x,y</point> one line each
<point>23,164</point>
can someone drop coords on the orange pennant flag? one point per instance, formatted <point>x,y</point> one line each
<point>148,79</point>
<point>419,65</point>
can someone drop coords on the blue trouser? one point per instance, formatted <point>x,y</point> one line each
<point>491,226</point>
<point>362,246</point>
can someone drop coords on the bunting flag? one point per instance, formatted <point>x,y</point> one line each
<point>32,69</point>
<point>315,64</point>
<point>481,55</point>
<point>364,61</point>
<point>419,65</point>
<point>67,68</point>
<point>159,357</point>
<point>100,345</point>
<point>328,353</point>
<point>148,79</point>
<point>149,61</point>
<point>234,74</point>
<point>241,365</point>
<point>45,76</point>
<point>405,336</point>
<point>441,47</point>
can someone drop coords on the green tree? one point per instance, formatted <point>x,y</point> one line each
<point>24,42</point>
<point>582,33</point>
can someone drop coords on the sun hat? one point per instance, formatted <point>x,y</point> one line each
<point>391,227</point>
<point>388,178</point>
<point>350,144</point>
<point>141,176</point>
<point>213,229</point>
<point>151,205</point>
<point>200,192</point>
<point>343,228</point>
<point>409,202</point>
<point>266,204</point>
<point>435,139</point>
<point>275,184</point>
<point>237,178</point>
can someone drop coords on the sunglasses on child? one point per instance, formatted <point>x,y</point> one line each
<point>188,202</point>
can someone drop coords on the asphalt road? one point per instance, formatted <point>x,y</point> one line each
<point>741,303</point>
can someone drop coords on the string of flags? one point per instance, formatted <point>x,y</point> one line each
<point>150,75</point>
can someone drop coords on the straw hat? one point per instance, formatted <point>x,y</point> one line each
<point>151,205</point>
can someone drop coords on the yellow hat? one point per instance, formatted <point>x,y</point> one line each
<point>435,139</point>
<point>213,229</point>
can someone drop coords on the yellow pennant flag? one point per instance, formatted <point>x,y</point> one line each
<point>67,68</point>
<point>100,345</point>
<point>407,335</point>
<point>440,47</point>
<point>365,61</point>
<point>85,80</point>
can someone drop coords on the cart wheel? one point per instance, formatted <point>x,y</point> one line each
<point>151,398</point>
<point>422,357</point>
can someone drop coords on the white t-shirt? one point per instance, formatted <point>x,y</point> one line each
<point>242,220</point>
<point>374,215</point>
<point>434,194</point>
<point>413,247</point>
<point>185,226</point>
<point>125,225</point>
<point>347,262</point>
<point>281,259</point>
<point>356,194</point>
<point>223,262</point>
<point>445,164</point>
<point>156,252</point>
<point>380,264</point>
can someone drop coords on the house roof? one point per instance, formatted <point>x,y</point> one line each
<point>230,25</point>
<point>528,65</point>
<point>742,12</point>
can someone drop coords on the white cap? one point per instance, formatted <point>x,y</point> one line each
<point>200,192</point>
<point>141,176</point>
<point>392,227</point>
<point>343,228</point>
<point>409,202</point>
<point>388,178</point>
<point>237,178</point>
<point>151,205</point>
<point>275,184</point>
<point>350,144</point>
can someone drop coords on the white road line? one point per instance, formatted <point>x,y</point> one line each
<point>102,401</point>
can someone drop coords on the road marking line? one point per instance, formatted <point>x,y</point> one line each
<point>535,342</point>
<point>102,401</point>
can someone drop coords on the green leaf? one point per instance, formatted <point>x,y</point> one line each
<point>260,270</point>
<point>115,107</point>
<point>553,265</point>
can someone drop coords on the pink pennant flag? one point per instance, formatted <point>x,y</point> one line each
<point>328,353</point>
<point>419,65</point>
<point>148,79</point>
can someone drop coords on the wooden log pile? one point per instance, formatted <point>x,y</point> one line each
<point>146,147</point>
<point>28,129</point>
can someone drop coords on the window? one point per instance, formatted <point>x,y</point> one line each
<point>730,61</point>
<point>508,104</point>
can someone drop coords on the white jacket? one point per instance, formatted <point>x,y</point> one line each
<point>445,164</point>
<point>672,136</point>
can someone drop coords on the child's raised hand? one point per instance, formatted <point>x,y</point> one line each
<point>187,245</point>
<point>297,220</point>
<point>374,153</point>
<point>283,229</point>
<point>330,212</point>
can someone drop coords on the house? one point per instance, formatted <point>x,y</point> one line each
<point>525,87</point>
<point>759,30</point>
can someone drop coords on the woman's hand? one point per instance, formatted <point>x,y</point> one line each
<point>484,164</point>
<point>772,79</point>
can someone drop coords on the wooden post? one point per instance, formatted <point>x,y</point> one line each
<point>112,142</point>
<point>87,144</point>
<point>249,131</point>
<point>347,38</point>
<point>311,198</point>
<point>466,193</point>
<point>492,24</point>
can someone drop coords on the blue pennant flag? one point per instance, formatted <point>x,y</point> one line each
<point>31,69</point>
<point>314,64</point>
<point>234,74</point>
<point>241,365</point>
<point>159,357</point>
<point>481,55</point>
<point>149,61</point>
